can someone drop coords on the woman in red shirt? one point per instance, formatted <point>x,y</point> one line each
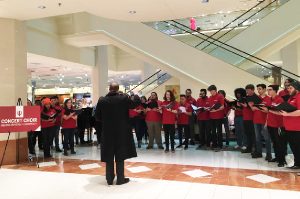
<point>69,125</point>
<point>291,122</point>
<point>48,119</point>
<point>169,109</point>
<point>184,111</point>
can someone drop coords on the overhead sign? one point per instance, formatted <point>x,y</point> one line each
<point>20,118</point>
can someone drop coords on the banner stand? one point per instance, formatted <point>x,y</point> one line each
<point>4,150</point>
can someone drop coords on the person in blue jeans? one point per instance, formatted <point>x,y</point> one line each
<point>259,120</point>
<point>238,120</point>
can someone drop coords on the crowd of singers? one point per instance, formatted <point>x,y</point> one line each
<point>257,123</point>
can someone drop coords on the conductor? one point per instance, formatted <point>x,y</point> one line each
<point>117,142</point>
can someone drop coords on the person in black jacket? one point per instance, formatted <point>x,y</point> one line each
<point>117,142</point>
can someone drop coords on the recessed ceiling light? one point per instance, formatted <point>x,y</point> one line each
<point>41,7</point>
<point>132,12</point>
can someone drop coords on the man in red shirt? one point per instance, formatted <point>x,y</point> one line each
<point>285,93</point>
<point>153,120</point>
<point>275,123</point>
<point>291,122</point>
<point>248,119</point>
<point>216,115</point>
<point>48,118</point>
<point>203,120</point>
<point>192,118</point>
<point>260,127</point>
<point>184,111</point>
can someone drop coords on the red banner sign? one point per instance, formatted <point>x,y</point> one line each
<point>20,118</point>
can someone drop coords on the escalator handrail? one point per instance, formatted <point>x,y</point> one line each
<point>153,82</point>
<point>235,49</point>
<point>230,23</point>
<point>144,81</point>
<point>239,24</point>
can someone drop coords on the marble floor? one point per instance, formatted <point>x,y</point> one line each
<point>154,174</point>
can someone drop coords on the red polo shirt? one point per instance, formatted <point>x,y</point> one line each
<point>169,117</point>
<point>203,102</point>
<point>191,100</point>
<point>292,123</point>
<point>153,115</point>
<point>69,123</point>
<point>260,117</point>
<point>274,120</point>
<point>238,112</point>
<point>182,117</point>
<point>214,100</point>
<point>133,113</point>
<point>284,93</point>
<point>47,124</point>
<point>58,108</point>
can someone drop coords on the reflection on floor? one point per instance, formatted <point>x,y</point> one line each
<point>184,174</point>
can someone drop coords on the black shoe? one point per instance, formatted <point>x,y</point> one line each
<point>179,146</point>
<point>149,147</point>
<point>124,181</point>
<point>58,150</point>
<point>66,153</point>
<point>281,164</point>
<point>47,156</point>
<point>186,147</point>
<point>73,152</point>
<point>192,142</point>
<point>273,160</point>
<point>167,151</point>
<point>294,167</point>
<point>173,150</point>
<point>269,159</point>
<point>246,151</point>
<point>161,147</point>
<point>257,155</point>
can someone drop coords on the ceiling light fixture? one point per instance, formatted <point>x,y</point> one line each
<point>42,7</point>
<point>132,12</point>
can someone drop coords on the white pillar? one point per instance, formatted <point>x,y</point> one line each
<point>13,81</point>
<point>291,57</point>
<point>100,73</point>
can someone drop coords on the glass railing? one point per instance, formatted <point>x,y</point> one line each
<point>230,54</point>
<point>150,83</point>
<point>221,26</point>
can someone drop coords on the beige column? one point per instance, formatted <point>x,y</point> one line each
<point>13,83</point>
<point>291,58</point>
<point>100,73</point>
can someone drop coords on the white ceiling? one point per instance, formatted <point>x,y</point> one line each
<point>144,10</point>
<point>49,72</point>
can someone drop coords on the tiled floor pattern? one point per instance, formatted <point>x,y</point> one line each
<point>174,172</point>
<point>16,184</point>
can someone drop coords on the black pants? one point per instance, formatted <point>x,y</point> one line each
<point>169,130</point>
<point>183,128</point>
<point>110,171</point>
<point>204,132</point>
<point>216,132</point>
<point>56,137</point>
<point>293,138</point>
<point>32,140</point>
<point>278,144</point>
<point>250,134</point>
<point>225,122</point>
<point>140,128</point>
<point>48,135</point>
<point>68,138</point>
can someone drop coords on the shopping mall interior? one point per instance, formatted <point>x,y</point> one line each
<point>74,49</point>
